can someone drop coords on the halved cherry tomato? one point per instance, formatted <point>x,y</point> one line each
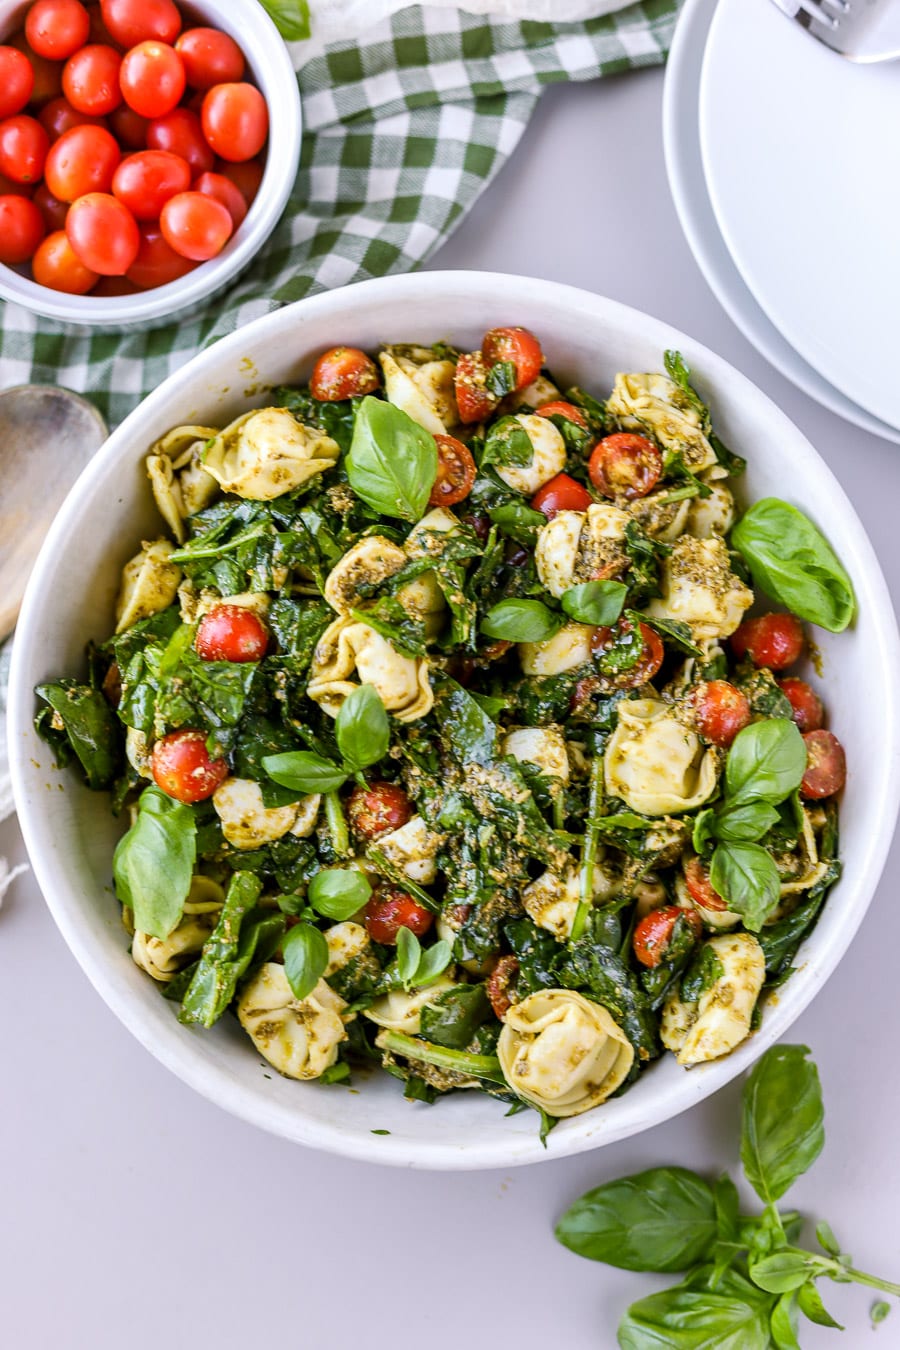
<point>378,809</point>
<point>57,265</point>
<point>152,78</point>
<point>498,985</point>
<point>235,120</point>
<point>773,640</point>
<point>699,886</point>
<point>649,660</point>
<point>21,228</point>
<point>132,21</point>
<point>455,474</point>
<point>58,116</point>
<point>210,57</point>
<point>231,633</point>
<point>391,909</point>
<point>561,493</point>
<point>561,409</point>
<point>654,932</point>
<point>16,81</point>
<point>145,181</point>
<point>23,148</point>
<point>221,189</point>
<point>806,706</point>
<point>103,233</point>
<point>721,710</point>
<point>473,398</point>
<point>625,465</point>
<point>195,225</point>
<point>826,765</point>
<point>156,263</point>
<point>517,345</point>
<point>90,79</point>
<point>82,160</point>
<point>129,129</point>
<point>57,28</point>
<point>342,372</point>
<point>182,767</point>
<point>246,176</point>
<point>52,210</point>
<point>181,133</point>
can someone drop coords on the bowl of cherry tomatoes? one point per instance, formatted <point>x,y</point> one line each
<point>147,151</point>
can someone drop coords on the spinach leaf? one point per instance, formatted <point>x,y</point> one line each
<point>676,633</point>
<point>685,1318</point>
<point>335,419</point>
<point>747,879</point>
<point>791,560</point>
<point>362,729</point>
<point>89,725</point>
<point>392,462</point>
<point>404,631</point>
<point>455,1015</point>
<point>763,692</point>
<point>644,557</point>
<point>521,621</point>
<point>154,862</point>
<point>678,371</point>
<point>467,731</point>
<point>339,892</point>
<point>766,762</point>
<point>597,602</point>
<point>783,1120</point>
<point>304,771</point>
<point>518,520</point>
<point>663,1219</point>
<point>442,1057</point>
<point>290,17</point>
<point>297,626</point>
<point>305,953</point>
<point>703,972</point>
<point>507,443</point>
<point>227,952</point>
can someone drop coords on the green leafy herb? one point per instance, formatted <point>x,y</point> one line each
<point>227,952</point>
<point>783,1124</point>
<point>305,954</point>
<point>418,967</point>
<point>687,1318</point>
<point>392,462</point>
<point>597,602</point>
<point>791,560</point>
<point>339,892</point>
<point>879,1311</point>
<point>521,621</point>
<point>362,729</point>
<point>304,771</point>
<point>507,443</point>
<point>520,521</point>
<point>766,762</point>
<point>501,378</point>
<point>455,1015</point>
<point>745,876</point>
<point>88,724</point>
<point>678,371</point>
<point>290,17</point>
<point>154,862</point>
<point>456,1061</point>
<point>676,633</point>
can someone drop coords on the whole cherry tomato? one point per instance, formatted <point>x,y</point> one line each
<point>82,160</point>
<point>21,229</point>
<point>181,133</point>
<point>561,493</point>
<point>55,264</point>
<point>826,765</point>
<point>221,189</point>
<point>57,28</point>
<point>152,79</point>
<point>195,226</point>
<point>210,57</point>
<point>23,148</point>
<point>98,30</point>
<point>16,81</point>
<point>517,345</point>
<point>90,79</point>
<point>455,473</point>
<point>498,985</point>
<point>235,120</point>
<point>391,909</point>
<point>246,176</point>
<point>132,21</point>
<point>52,210</point>
<point>182,767</point>
<point>559,408</point>
<point>103,233</point>
<point>145,181</point>
<point>473,398</point>
<point>653,933</point>
<point>806,706</point>
<point>699,886</point>
<point>721,710</point>
<point>378,809</point>
<point>129,129</point>
<point>58,116</point>
<point>46,75</point>
<point>231,633</point>
<point>773,640</point>
<point>649,660</point>
<point>156,263</point>
<point>625,465</point>
<point>343,372</point>
<point>115,286</point>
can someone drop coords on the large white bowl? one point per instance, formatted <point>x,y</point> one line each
<point>70,834</point>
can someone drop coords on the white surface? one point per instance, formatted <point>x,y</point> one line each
<point>70,596</point>
<point>796,142</point>
<point>684,165</point>
<point>160,1217</point>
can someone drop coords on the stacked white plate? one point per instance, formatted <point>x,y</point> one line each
<point>782,162</point>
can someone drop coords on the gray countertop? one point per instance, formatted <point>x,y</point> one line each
<point>137,1215</point>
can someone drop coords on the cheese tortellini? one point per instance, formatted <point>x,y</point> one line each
<point>374,559</point>
<point>721,1018</point>
<point>548,455</point>
<point>544,747</point>
<point>164,958</point>
<point>298,1037</point>
<point>656,405</point>
<point>562,1052</point>
<point>578,546</point>
<point>149,584</point>
<point>700,589</point>
<point>421,386</point>
<point>402,1011</point>
<point>551,900</point>
<point>348,647</point>
<point>262,454</point>
<point>567,649</point>
<point>656,763</point>
<point>247,823</point>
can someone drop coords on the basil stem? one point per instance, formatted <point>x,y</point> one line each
<point>589,851</point>
<point>457,1061</point>
<point>399,878</point>
<point>191,553</point>
<point>337,824</point>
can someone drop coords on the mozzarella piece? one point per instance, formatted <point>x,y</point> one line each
<point>711,515</point>
<point>556,551</point>
<point>548,456</point>
<point>300,1038</point>
<point>655,763</point>
<point>562,1052</point>
<point>720,1020</point>
<point>149,584</point>
<point>544,747</point>
<point>401,1011</point>
<point>347,648</point>
<point>568,648</point>
<point>248,824</point>
<point>265,453</point>
<point>656,405</point>
<point>346,942</point>
<point>540,391</point>
<point>412,850</point>
<point>700,589</point>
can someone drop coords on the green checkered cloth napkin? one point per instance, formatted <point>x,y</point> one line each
<point>403,131</point>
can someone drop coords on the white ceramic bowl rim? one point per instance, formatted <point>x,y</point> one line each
<point>173,1045</point>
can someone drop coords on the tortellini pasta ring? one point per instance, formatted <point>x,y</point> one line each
<point>265,453</point>
<point>149,584</point>
<point>298,1037</point>
<point>349,648</point>
<point>655,763</point>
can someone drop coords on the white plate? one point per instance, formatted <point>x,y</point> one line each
<point>799,154</point>
<point>684,165</point>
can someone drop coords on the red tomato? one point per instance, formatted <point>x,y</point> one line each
<point>195,226</point>
<point>103,233</point>
<point>99,31</point>
<point>152,79</point>
<point>10,189</point>
<point>146,181</point>
<point>181,133</point>
<point>499,983</point>
<point>47,75</point>
<point>455,474</point>
<point>114,286</point>
<point>517,345</point>
<point>826,765</point>
<point>699,886</point>
<point>562,409</point>
<point>21,228</point>
<point>23,148</point>
<point>56,265</point>
<point>59,116</point>
<point>52,210</point>
<point>246,177</point>
<point>91,79</point>
<point>647,664</point>
<point>624,465</point>
<point>209,57</point>
<point>132,21</point>
<point>722,711</point>
<point>473,398</point>
<point>82,160</point>
<point>377,809</point>
<point>343,372</point>
<point>235,121</point>
<point>773,640</point>
<point>808,712</point>
<point>130,129</point>
<point>231,633</point>
<point>57,28</point>
<point>561,493</point>
<point>654,932</point>
<point>16,81</point>
<point>221,189</point>
<point>156,264</point>
<point>182,767</point>
<point>391,909</point>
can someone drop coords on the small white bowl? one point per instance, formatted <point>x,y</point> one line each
<point>70,834</point>
<point>269,63</point>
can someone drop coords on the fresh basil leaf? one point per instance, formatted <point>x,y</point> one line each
<point>597,602</point>
<point>339,892</point>
<point>827,1240</point>
<point>783,1271</point>
<point>507,443</point>
<point>766,762</point>
<point>745,824</point>
<point>521,621</point>
<point>704,832</point>
<point>663,1219</point>
<point>791,560</point>
<point>362,729</point>
<point>810,1303</point>
<point>392,462</point>
<point>304,771</point>
<point>226,954</point>
<point>290,17</point>
<point>879,1311</point>
<point>501,378</point>
<point>305,954</point>
<point>409,954</point>
<point>694,1319</point>
<point>727,1209</point>
<point>783,1323</point>
<point>783,1120</point>
<point>433,962</point>
<point>90,726</point>
<point>455,1015</point>
<point>154,862</point>
<point>747,879</point>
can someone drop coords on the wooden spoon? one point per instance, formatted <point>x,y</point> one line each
<point>47,435</point>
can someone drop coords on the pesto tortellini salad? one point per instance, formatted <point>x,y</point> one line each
<point>444,734</point>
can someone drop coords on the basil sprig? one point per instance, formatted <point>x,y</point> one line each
<point>339,892</point>
<point>521,621</point>
<point>418,966</point>
<point>305,953</point>
<point>154,862</point>
<point>392,462</point>
<point>792,561</point>
<point>363,733</point>
<point>596,602</point>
